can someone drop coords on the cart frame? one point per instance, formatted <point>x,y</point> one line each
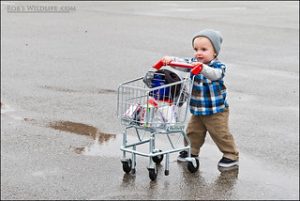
<point>136,92</point>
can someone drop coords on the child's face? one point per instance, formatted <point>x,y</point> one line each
<point>204,51</point>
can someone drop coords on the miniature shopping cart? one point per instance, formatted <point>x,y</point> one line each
<point>150,106</point>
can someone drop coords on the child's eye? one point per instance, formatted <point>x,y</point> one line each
<point>203,49</point>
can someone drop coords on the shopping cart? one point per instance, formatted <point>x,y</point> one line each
<point>150,105</point>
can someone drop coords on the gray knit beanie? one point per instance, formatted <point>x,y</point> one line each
<point>215,38</point>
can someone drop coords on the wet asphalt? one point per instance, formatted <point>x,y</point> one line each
<point>60,135</point>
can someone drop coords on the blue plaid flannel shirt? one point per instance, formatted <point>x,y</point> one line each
<point>208,97</point>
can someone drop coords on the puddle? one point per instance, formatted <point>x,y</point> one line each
<point>81,129</point>
<point>95,149</point>
<point>84,129</point>
<point>66,90</point>
<point>100,138</point>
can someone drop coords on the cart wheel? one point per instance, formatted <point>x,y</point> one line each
<point>158,159</point>
<point>127,165</point>
<point>191,167</point>
<point>167,172</point>
<point>152,174</point>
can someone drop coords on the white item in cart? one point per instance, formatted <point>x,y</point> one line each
<point>165,116</point>
<point>168,113</point>
<point>133,111</point>
<point>152,116</point>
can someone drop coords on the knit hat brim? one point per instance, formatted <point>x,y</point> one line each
<point>215,38</point>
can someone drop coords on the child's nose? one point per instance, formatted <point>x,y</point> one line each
<point>198,52</point>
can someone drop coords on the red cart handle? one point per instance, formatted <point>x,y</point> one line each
<point>195,69</point>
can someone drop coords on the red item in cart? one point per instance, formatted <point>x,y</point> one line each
<point>152,102</point>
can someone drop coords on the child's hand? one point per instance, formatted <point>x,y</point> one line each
<point>198,67</point>
<point>166,60</point>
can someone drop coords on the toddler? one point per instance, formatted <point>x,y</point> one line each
<point>208,104</point>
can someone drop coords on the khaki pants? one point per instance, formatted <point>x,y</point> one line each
<point>217,127</point>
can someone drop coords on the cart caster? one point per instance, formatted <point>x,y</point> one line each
<point>152,173</point>
<point>133,171</point>
<point>191,167</point>
<point>127,165</point>
<point>158,159</point>
<point>167,172</point>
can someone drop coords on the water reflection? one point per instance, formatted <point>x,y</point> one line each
<point>81,129</point>
<point>199,186</point>
<point>128,180</point>
<point>224,184</point>
<point>181,184</point>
